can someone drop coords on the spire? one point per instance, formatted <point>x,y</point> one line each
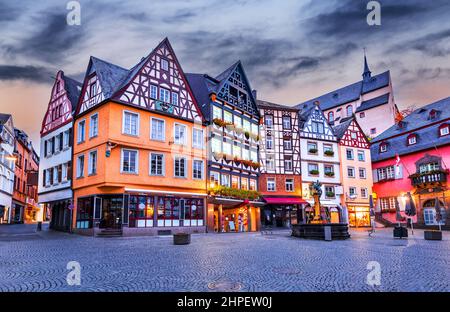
<point>367,73</point>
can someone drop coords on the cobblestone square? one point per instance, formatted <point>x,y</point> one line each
<point>32,261</point>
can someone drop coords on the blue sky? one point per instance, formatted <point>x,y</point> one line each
<point>292,50</point>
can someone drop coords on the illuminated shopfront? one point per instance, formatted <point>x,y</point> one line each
<point>233,218</point>
<point>359,216</point>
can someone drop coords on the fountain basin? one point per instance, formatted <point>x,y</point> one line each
<point>339,231</point>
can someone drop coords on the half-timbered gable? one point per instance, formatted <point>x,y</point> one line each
<point>63,100</point>
<point>280,130</point>
<point>100,82</point>
<point>235,89</point>
<point>158,83</point>
<point>350,134</point>
<point>314,125</point>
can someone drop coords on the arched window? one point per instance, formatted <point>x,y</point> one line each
<point>349,111</point>
<point>331,117</point>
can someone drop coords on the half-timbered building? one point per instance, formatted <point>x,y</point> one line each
<point>55,170</point>
<point>280,179</point>
<point>7,169</point>
<point>139,149</point>
<point>356,172</point>
<point>229,105</point>
<point>319,159</point>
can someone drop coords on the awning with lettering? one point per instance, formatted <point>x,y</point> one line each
<point>285,200</point>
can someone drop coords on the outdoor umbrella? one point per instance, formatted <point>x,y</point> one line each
<point>372,212</point>
<point>410,209</point>
<point>398,215</point>
<point>437,207</point>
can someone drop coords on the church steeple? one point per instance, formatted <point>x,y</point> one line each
<point>367,73</point>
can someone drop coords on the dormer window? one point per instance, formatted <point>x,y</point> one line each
<point>444,130</point>
<point>383,148</point>
<point>433,114</point>
<point>412,139</point>
<point>92,89</point>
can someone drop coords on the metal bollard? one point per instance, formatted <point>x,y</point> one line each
<point>39,226</point>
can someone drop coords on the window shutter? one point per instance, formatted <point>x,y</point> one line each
<point>399,172</point>
<point>61,141</point>
<point>51,175</point>
<point>44,177</point>
<point>45,148</point>
<point>60,173</point>
<point>70,137</point>
<point>375,176</point>
<point>53,145</point>
<point>69,171</point>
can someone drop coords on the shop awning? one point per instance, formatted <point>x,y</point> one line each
<point>284,201</point>
<point>325,203</point>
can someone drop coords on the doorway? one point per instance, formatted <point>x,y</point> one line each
<point>112,212</point>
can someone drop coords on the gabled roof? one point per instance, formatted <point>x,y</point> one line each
<point>418,123</point>
<point>109,75</point>
<point>351,92</point>
<point>201,86</point>
<point>270,105</point>
<point>340,130</point>
<point>73,89</point>
<point>4,118</point>
<point>381,100</point>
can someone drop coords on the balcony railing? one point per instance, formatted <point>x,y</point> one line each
<point>436,177</point>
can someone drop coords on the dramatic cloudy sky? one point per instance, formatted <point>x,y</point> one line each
<point>292,50</point>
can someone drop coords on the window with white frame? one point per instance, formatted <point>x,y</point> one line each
<point>352,191</point>
<point>93,126</point>
<point>129,161</point>
<point>271,185</point>
<point>214,178</point>
<point>350,155</point>
<point>287,122</point>
<point>429,216</point>
<point>387,203</point>
<point>246,153</point>
<point>254,156</point>
<point>180,164</point>
<point>254,128</point>
<point>361,156</point>
<point>246,125</point>
<point>238,121</point>
<point>318,127</point>
<point>157,167</point>
<point>57,138</point>
<point>48,177</point>
<point>92,164</point>
<point>65,172</point>
<point>80,166</point>
<point>153,92</point>
<point>253,185</point>
<point>270,162</point>
<point>330,191</point>
<point>268,121</point>
<point>244,183</point>
<point>164,95</point>
<point>157,129</point>
<point>289,185</point>
<point>287,144</point>
<point>174,98</point>
<point>351,172</point>
<point>81,131</point>
<point>269,142</point>
<point>217,112</point>
<point>55,175</point>
<point>227,116</point>
<point>364,192</point>
<point>164,64</point>
<point>197,169</point>
<point>235,182</point>
<point>225,180</point>
<point>216,145</point>
<point>237,151</point>
<point>180,134</point>
<point>362,173</point>
<point>66,138</point>
<point>130,124</point>
<point>197,138</point>
<point>444,130</point>
<point>226,148</point>
<point>288,163</point>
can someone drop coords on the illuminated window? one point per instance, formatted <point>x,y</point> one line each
<point>444,130</point>
<point>412,139</point>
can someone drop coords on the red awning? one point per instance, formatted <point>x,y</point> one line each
<point>284,201</point>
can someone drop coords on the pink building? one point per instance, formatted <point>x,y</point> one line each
<point>422,143</point>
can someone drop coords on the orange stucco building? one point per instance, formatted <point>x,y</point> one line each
<point>139,149</point>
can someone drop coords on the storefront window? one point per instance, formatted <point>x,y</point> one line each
<point>173,211</point>
<point>85,209</point>
<point>141,211</point>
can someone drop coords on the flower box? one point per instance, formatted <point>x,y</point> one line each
<point>329,174</point>
<point>329,153</point>
<point>313,151</point>
<point>330,195</point>
<point>314,172</point>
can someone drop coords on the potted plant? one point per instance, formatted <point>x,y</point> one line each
<point>181,239</point>
<point>313,151</point>
<point>330,194</point>
<point>314,172</point>
<point>329,153</point>
<point>255,165</point>
<point>237,161</point>
<point>329,174</point>
<point>247,134</point>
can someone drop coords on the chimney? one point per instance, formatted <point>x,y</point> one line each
<point>255,94</point>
